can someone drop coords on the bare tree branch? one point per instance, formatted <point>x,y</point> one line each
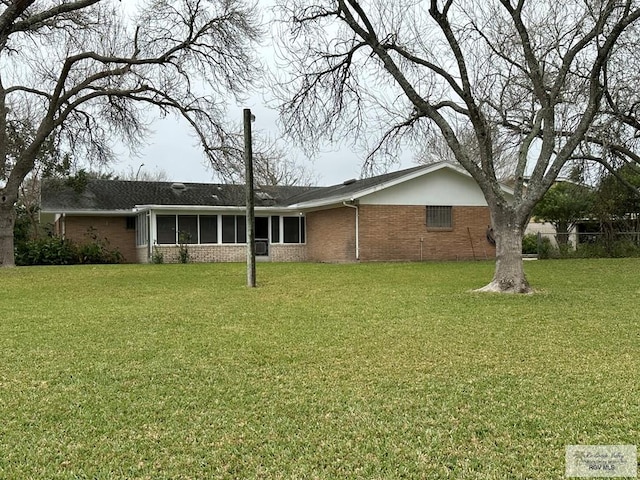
<point>526,79</point>
<point>94,75</point>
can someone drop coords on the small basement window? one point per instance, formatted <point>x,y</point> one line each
<point>439,217</point>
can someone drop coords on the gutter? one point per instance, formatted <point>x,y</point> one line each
<point>273,210</point>
<point>93,213</point>
<point>353,205</point>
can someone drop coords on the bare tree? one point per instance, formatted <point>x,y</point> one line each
<point>525,74</point>
<point>273,164</point>
<point>82,72</point>
<point>143,174</point>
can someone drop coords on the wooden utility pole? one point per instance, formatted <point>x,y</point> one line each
<point>249,199</point>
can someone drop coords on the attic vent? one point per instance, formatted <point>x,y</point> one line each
<point>178,186</point>
<point>262,195</point>
<point>349,182</point>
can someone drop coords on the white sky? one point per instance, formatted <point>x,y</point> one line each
<point>172,148</point>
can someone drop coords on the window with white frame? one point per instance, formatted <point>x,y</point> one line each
<point>293,230</point>
<point>439,216</point>
<point>208,229</point>
<point>228,229</point>
<point>142,229</point>
<point>275,229</point>
<point>187,229</point>
<point>166,229</point>
<point>174,229</point>
<point>234,229</point>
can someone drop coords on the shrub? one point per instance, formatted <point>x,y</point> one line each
<point>183,248</point>
<point>59,251</point>
<point>46,251</point>
<point>535,244</point>
<point>601,249</point>
<point>97,250</point>
<point>158,256</point>
<point>545,249</point>
<point>530,244</point>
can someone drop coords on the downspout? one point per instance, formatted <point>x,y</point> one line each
<point>351,205</point>
<point>63,226</point>
<point>147,219</point>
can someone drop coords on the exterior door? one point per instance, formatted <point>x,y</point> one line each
<point>262,236</point>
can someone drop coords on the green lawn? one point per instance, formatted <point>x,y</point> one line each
<point>325,371</point>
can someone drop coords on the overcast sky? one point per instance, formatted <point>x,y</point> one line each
<point>172,148</point>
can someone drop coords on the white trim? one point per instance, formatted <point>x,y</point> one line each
<point>297,208</point>
<point>94,213</point>
<point>214,209</point>
<point>381,186</point>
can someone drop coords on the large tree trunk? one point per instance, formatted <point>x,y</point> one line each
<point>7,221</point>
<point>509,275</point>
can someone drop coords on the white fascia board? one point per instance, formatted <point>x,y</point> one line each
<point>209,208</point>
<point>325,202</point>
<point>91,213</point>
<point>169,208</point>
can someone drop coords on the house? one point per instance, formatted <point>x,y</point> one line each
<point>432,212</point>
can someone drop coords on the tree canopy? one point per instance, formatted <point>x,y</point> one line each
<point>564,204</point>
<point>76,74</point>
<point>539,82</point>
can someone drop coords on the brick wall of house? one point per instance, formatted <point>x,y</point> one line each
<point>387,233</point>
<point>142,254</point>
<point>229,253</point>
<point>288,253</point>
<point>331,235</point>
<point>392,232</point>
<point>112,229</point>
<point>203,253</point>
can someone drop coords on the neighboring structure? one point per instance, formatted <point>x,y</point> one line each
<point>433,212</point>
<point>547,230</point>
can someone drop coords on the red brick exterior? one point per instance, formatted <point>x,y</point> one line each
<point>395,232</point>
<point>331,235</point>
<point>112,229</point>
<point>387,233</point>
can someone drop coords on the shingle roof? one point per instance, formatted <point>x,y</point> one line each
<point>350,188</point>
<point>112,195</point>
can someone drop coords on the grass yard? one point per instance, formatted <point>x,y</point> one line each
<point>325,371</point>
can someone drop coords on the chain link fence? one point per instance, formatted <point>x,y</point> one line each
<point>582,244</point>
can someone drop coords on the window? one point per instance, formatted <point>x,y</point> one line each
<point>166,225</point>
<point>187,229</point>
<point>234,229</point>
<point>293,230</point>
<point>130,223</point>
<point>228,229</point>
<point>208,229</point>
<point>241,229</point>
<point>204,229</point>
<point>275,229</point>
<point>439,217</point>
<point>142,227</point>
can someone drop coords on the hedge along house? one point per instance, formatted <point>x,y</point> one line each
<point>432,212</point>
